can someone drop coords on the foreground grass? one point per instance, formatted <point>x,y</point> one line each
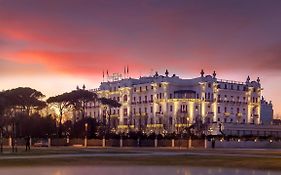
<point>202,161</point>
<point>261,163</point>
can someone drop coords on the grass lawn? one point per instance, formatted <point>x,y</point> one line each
<point>236,161</point>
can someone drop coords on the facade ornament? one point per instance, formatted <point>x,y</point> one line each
<point>202,73</point>
<point>248,79</point>
<point>156,74</point>
<point>166,73</point>
<point>214,74</point>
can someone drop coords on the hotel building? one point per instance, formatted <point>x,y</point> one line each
<point>164,103</point>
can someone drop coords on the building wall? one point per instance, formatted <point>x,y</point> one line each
<point>168,103</point>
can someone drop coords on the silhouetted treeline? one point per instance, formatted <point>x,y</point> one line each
<point>23,112</point>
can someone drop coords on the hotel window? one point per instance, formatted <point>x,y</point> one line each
<point>146,88</point>
<point>225,109</point>
<point>171,108</point>
<point>145,98</point>
<point>196,107</point>
<point>219,109</point>
<point>135,89</point>
<point>160,85</point>
<point>225,86</point>
<point>157,96</point>
<point>140,89</point>
<point>151,109</point>
<point>171,96</point>
<point>151,97</point>
<point>160,108</point>
<point>209,85</point>
<point>125,121</point>
<point>139,110</point>
<point>125,99</point>
<point>231,87</point>
<point>238,88</point>
<point>118,99</point>
<point>197,96</point>
<point>151,121</point>
<point>145,110</point>
<point>134,99</point>
<point>219,119</point>
<point>140,99</point>
<point>134,110</point>
<point>238,110</point>
<point>125,112</point>
<point>170,120</point>
<point>209,95</point>
<point>151,87</point>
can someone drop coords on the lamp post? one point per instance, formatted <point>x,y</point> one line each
<point>86,135</point>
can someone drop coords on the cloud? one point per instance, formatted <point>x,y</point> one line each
<point>11,68</point>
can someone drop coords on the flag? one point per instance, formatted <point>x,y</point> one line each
<point>102,74</point>
<point>127,69</point>
<point>107,72</point>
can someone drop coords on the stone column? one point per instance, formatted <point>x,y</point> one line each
<point>189,143</point>
<point>155,142</point>
<point>173,143</point>
<point>85,141</point>
<point>49,142</point>
<point>121,142</point>
<point>103,142</point>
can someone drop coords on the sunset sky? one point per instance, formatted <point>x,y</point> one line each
<point>55,45</point>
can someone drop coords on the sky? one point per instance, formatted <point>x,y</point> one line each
<point>55,45</point>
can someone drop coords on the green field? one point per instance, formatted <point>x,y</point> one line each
<point>253,159</point>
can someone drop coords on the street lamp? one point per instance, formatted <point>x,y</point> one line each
<point>86,135</point>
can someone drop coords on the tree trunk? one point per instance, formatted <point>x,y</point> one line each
<point>60,125</point>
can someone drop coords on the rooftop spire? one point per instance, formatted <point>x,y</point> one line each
<point>166,73</point>
<point>214,74</point>
<point>202,73</point>
<point>248,79</point>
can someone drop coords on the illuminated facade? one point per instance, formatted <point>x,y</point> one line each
<point>164,103</point>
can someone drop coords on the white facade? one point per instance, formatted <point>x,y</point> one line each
<point>164,103</point>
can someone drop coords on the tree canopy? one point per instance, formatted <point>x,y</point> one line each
<point>109,102</point>
<point>23,97</point>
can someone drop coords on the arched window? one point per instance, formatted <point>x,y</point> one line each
<point>125,98</point>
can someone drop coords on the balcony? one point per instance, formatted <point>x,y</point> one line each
<point>122,127</point>
<point>181,125</point>
<point>226,114</point>
<point>239,114</point>
<point>159,113</point>
<point>114,115</point>
<point>154,125</point>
